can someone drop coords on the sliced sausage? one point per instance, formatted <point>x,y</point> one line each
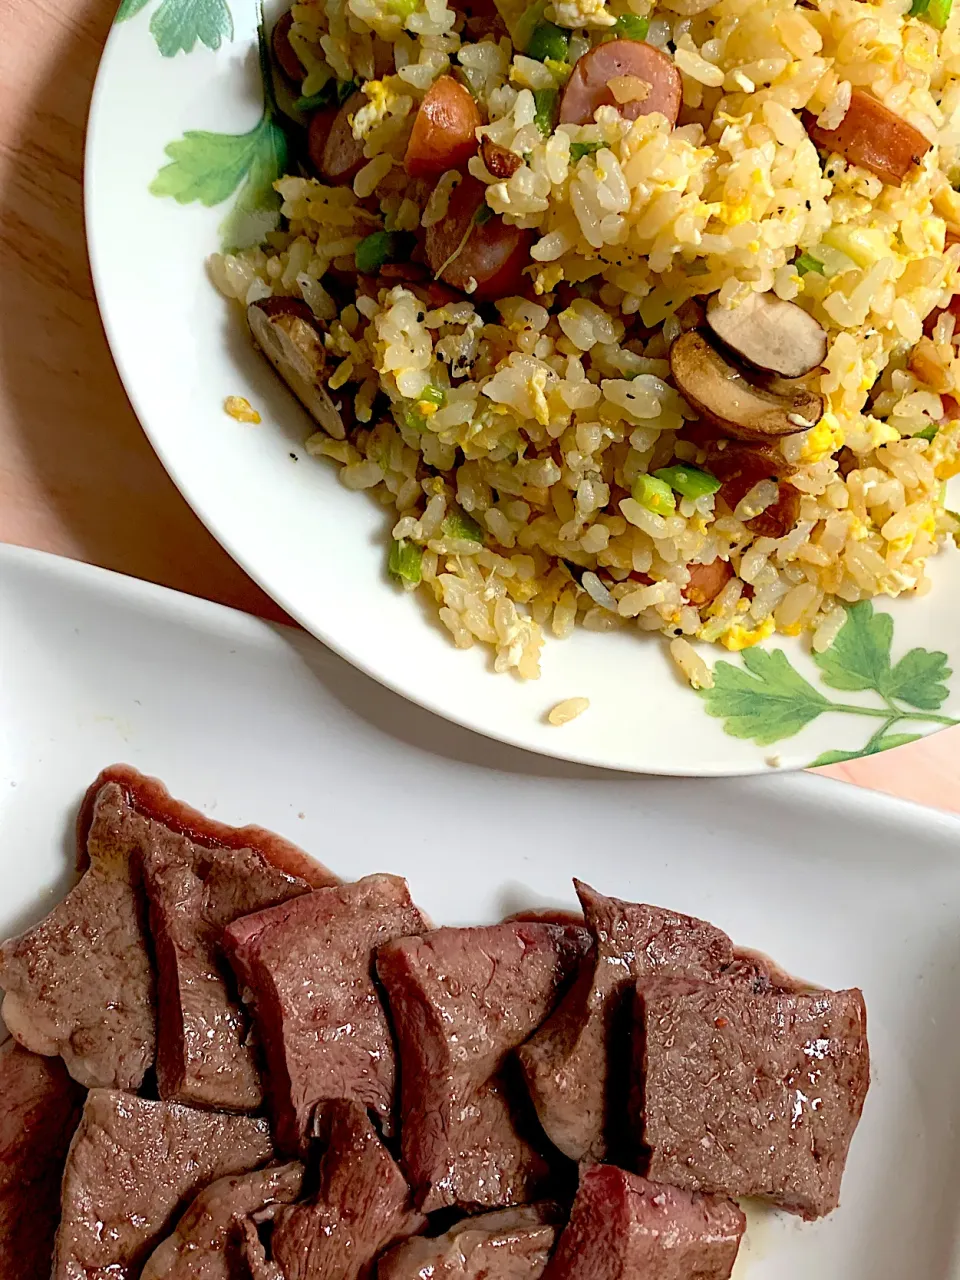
<point>444,131</point>
<point>286,59</point>
<point>589,85</point>
<point>482,19</point>
<point>493,253</point>
<point>318,131</point>
<point>707,581</point>
<point>339,153</point>
<point>739,468</point>
<point>872,136</point>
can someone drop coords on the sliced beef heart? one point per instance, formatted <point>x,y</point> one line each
<point>461,1000</point>
<point>204,1054</point>
<point>80,983</point>
<point>577,1065</point>
<point>132,1166</point>
<point>309,966</point>
<point>509,1244</point>
<point>363,1206</point>
<point>208,1243</point>
<point>625,1228</point>
<point>750,1094</point>
<point>39,1109</point>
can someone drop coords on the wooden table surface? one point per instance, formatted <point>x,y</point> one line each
<point>77,476</point>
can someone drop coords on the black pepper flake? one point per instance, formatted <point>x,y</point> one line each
<point>421,316</point>
<point>294,457</point>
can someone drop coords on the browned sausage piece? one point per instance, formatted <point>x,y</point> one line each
<point>287,60</point>
<point>444,131</point>
<point>872,136</point>
<point>341,157</point>
<point>740,467</point>
<point>707,581</point>
<point>589,85</point>
<point>318,131</point>
<point>494,253</point>
<point>500,161</point>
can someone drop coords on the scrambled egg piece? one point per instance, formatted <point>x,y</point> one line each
<point>738,637</point>
<point>823,440</point>
<point>380,100</point>
<point>240,409</point>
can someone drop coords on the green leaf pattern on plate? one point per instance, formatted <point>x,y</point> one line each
<point>770,700</point>
<point>209,167</point>
<point>177,25</point>
<point>129,9</point>
<point>767,702</point>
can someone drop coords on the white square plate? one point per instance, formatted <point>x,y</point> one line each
<point>254,723</point>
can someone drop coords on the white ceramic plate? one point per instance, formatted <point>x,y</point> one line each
<point>255,723</point>
<point>320,550</point>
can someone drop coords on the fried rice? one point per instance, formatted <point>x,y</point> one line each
<point>508,435</point>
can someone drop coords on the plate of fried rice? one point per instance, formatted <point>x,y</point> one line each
<point>471,327</point>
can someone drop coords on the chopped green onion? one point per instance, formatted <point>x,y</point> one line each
<point>632,27</point>
<point>807,262</point>
<point>927,433</point>
<point>334,91</point>
<point>689,482</point>
<point>404,561</point>
<point>459,525</point>
<point>545,102</point>
<point>936,12</point>
<point>938,15</point>
<point>483,214</point>
<point>522,28</point>
<point>374,250</point>
<point>580,149</point>
<point>433,395</point>
<point>548,41</point>
<point>410,418</point>
<point>561,71</point>
<point>317,101</point>
<point>654,494</point>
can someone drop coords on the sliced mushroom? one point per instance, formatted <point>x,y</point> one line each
<point>289,335</point>
<point>769,334</point>
<point>501,162</point>
<point>739,407</point>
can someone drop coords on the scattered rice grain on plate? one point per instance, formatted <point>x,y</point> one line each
<point>694,669</point>
<point>568,710</point>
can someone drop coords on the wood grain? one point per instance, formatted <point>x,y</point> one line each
<point>77,475</point>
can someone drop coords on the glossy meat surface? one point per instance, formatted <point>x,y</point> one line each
<point>132,1167</point>
<point>577,1065</point>
<point>309,965</point>
<point>39,1109</point>
<point>751,1094</point>
<point>461,1000</point>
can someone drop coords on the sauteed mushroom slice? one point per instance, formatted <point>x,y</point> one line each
<point>289,335</point>
<point>770,334</point>
<point>724,395</point>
